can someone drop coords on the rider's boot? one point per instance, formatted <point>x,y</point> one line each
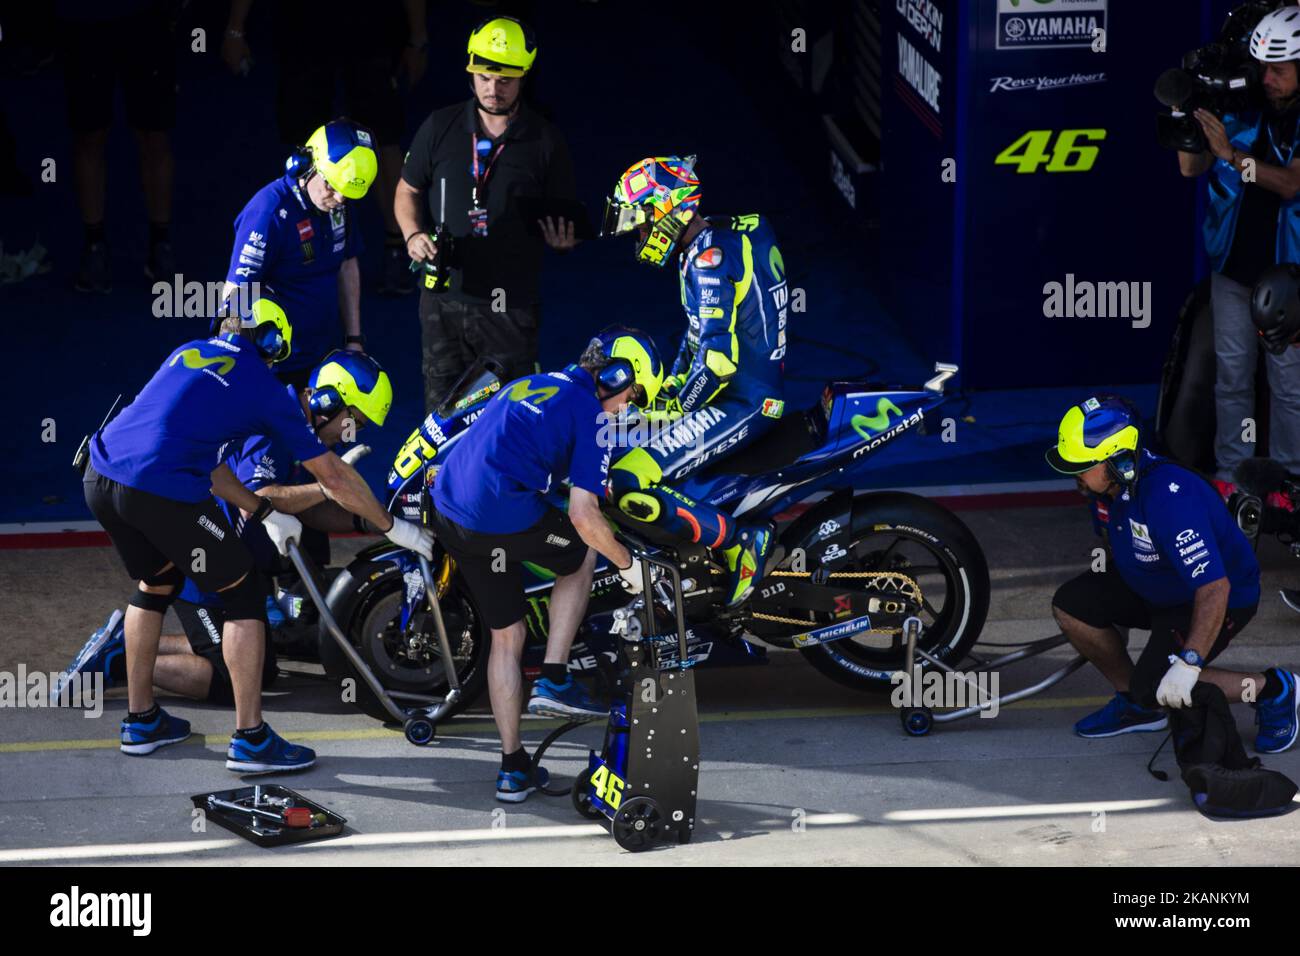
<point>746,561</point>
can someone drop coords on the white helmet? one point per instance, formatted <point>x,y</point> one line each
<point>1277,37</point>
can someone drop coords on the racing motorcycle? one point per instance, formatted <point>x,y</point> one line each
<point>847,570</point>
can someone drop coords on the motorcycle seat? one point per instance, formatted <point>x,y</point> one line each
<point>791,438</point>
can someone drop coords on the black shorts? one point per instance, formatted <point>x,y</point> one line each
<point>202,627</point>
<point>137,52</point>
<point>1102,599</point>
<point>150,532</point>
<point>492,564</point>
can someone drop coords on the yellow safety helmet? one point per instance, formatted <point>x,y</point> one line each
<point>503,46</point>
<point>1104,428</point>
<point>346,378</point>
<point>344,155</point>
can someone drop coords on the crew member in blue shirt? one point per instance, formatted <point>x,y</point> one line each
<point>1178,567</point>
<point>494,509</point>
<point>297,234</point>
<point>347,392</point>
<point>150,482</point>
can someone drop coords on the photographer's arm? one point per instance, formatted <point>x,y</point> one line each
<point>1192,165</point>
<point>1283,180</point>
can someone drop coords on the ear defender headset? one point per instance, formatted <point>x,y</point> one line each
<point>616,376</point>
<point>272,334</point>
<point>346,378</point>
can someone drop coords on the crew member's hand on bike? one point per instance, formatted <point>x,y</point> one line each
<point>633,577</point>
<point>412,537</point>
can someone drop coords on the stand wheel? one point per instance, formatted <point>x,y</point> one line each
<point>638,825</point>
<point>582,797</point>
<point>917,721</point>
<point>419,731</point>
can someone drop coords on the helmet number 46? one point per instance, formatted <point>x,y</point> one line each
<point>1055,152</point>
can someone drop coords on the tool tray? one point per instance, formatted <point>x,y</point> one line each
<point>264,832</point>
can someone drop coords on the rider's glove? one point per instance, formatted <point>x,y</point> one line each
<point>412,537</point>
<point>632,575</point>
<point>671,386</point>
<point>281,529</point>
<point>1175,688</point>
<point>355,454</point>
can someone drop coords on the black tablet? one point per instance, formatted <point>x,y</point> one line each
<point>534,208</point>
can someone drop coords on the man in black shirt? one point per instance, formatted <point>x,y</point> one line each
<point>1253,222</point>
<point>484,155</point>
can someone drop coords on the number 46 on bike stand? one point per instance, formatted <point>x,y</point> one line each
<point>1054,152</point>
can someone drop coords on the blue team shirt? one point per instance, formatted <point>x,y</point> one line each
<point>1173,534</point>
<point>538,431</point>
<point>284,241</point>
<point>206,394</point>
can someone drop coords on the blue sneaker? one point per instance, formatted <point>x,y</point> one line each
<point>140,738</point>
<point>514,787</point>
<point>1277,718</point>
<point>569,699</point>
<point>97,654</point>
<point>273,754</point>
<point>1121,716</point>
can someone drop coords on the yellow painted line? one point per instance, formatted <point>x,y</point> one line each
<point>457,729</point>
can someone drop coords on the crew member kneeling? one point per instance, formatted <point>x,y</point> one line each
<point>1182,569</point>
<point>152,473</point>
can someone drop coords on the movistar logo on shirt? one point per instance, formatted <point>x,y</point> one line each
<point>194,359</point>
<point>522,391</point>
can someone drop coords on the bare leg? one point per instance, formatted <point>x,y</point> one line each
<point>505,683</point>
<point>568,607</point>
<point>243,646</point>
<point>89,174</point>
<point>1102,646</point>
<point>1235,685</point>
<point>184,673</point>
<point>156,173</point>
<point>142,630</point>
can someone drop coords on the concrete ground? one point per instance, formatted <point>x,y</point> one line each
<point>795,770</point>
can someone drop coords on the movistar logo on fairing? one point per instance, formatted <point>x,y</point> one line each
<point>877,422</point>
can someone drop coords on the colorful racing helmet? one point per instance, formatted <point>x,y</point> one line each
<point>661,191</point>
<point>344,155</point>
<point>272,333</point>
<point>346,378</point>
<point>634,358</point>
<point>1104,428</point>
<point>502,46</point>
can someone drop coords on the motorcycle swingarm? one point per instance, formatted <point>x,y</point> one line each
<point>783,596</point>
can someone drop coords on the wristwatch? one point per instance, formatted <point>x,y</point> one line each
<point>263,509</point>
<point>355,340</point>
<point>1191,657</point>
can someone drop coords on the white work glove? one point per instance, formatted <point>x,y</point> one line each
<point>633,579</point>
<point>281,529</point>
<point>1175,688</point>
<point>355,454</point>
<point>412,537</point>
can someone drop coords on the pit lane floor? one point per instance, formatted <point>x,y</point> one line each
<point>796,769</point>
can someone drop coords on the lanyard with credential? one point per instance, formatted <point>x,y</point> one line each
<point>480,179</point>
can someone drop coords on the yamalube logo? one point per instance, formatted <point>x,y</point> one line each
<point>1049,24</point>
<point>77,909</point>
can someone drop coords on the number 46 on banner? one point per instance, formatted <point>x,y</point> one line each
<point>1054,152</point>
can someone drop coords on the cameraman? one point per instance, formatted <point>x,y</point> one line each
<point>489,151</point>
<point>1253,222</point>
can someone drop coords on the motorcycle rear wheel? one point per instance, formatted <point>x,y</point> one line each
<point>913,536</point>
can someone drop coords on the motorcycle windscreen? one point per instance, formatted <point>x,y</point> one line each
<point>476,383</point>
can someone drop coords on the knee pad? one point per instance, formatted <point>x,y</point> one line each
<point>246,601</point>
<point>147,601</point>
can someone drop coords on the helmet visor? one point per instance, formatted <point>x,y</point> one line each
<point>622,218</point>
